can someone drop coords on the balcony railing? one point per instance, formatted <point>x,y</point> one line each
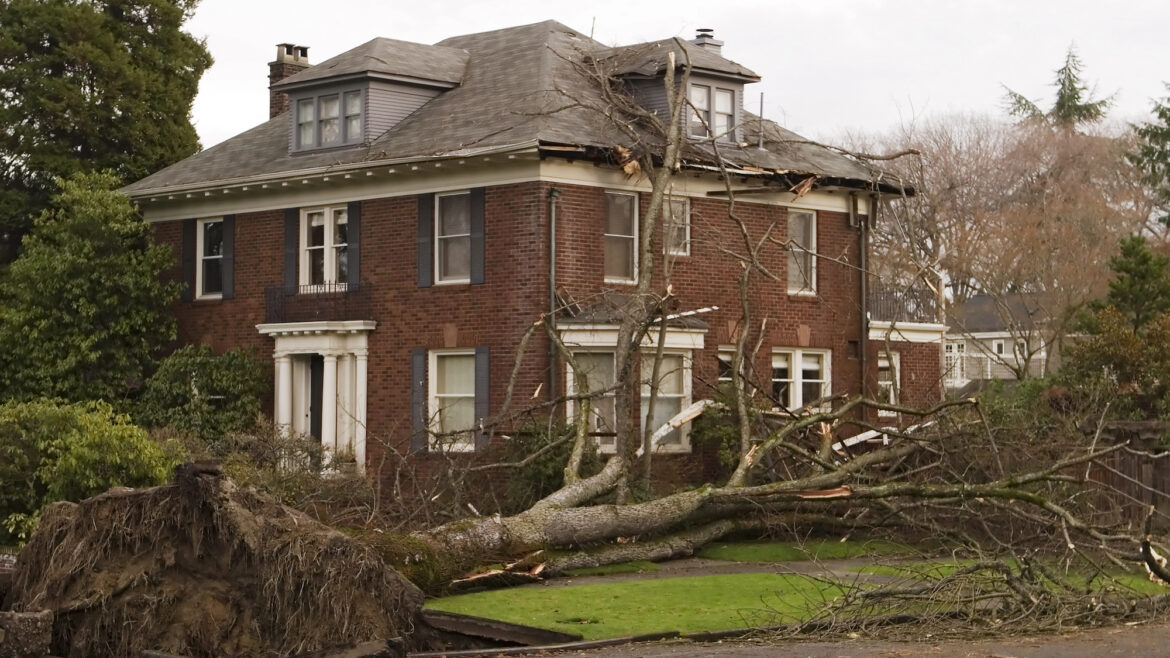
<point>964,368</point>
<point>323,302</point>
<point>913,305</point>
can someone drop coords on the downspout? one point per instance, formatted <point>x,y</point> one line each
<point>553,354</point>
<point>863,274</point>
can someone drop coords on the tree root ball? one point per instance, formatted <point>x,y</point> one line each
<point>204,568</point>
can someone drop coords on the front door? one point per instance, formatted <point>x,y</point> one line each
<point>316,376</point>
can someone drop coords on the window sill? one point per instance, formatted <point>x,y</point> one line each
<point>679,254</point>
<point>803,295</point>
<point>453,283</point>
<point>218,297</point>
<point>621,282</point>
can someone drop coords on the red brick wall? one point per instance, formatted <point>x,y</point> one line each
<point>497,313</point>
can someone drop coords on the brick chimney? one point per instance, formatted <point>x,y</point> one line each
<point>290,60</point>
<point>705,39</point>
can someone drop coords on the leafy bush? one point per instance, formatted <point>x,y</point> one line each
<point>205,395</point>
<point>85,306</point>
<point>1129,366</point>
<point>51,451</point>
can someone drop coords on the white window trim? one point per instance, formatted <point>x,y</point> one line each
<point>725,354</point>
<point>686,226</point>
<point>955,363</point>
<point>571,390</point>
<point>447,445</point>
<point>796,375</point>
<point>199,258</point>
<point>997,347</point>
<point>343,136</point>
<point>610,279</point>
<point>304,276</point>
<point>685,399</point>
<point>435,238</point>
<point>893,361</point>
<point>810,291</point>
<point>709,120</point>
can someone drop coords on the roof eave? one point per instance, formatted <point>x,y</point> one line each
<point>326,170</point>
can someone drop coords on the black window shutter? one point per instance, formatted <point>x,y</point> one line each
<point>483,382</point>
<point>292,239</point>
<point>353,215</point>
<point>477,215</point>
<point>418,400</point>
<point>228,263</point>
<point>187,260</point>
<point>426,233</point>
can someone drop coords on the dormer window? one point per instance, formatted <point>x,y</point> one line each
<point>327,120</point>
<point>714,108</point>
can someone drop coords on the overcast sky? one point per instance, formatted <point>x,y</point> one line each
<point>828,66</point>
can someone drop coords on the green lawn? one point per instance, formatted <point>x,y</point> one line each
<point>1138,582</point>
<point>701,603</point>
<point>813,549</point>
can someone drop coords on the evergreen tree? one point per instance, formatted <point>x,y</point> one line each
<point>84,307</point>
<point>89,85</point>
<point>1072,106</point>
<point>1141,289</point>
<point>1152,156</point>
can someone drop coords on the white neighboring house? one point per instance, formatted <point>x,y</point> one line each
<point>990,339</point>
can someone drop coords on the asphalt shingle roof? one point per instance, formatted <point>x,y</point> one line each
<point>389,57</point>
<point>518,86</point>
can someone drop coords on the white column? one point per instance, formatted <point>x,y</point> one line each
<point>359,409</point>
<point>284,391</point>
<point>329,402</point>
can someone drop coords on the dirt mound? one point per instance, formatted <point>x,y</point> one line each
<point>204,568</point>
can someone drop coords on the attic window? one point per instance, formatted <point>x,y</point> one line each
<point>331,119</point>
<point>712,109</point>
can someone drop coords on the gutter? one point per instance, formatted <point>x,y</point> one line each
<point>326,170</point>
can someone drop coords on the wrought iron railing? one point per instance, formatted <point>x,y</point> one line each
<point>903,305</point>
<point>328,301</point>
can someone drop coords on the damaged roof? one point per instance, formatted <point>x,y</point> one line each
<point>650,59</point>
<point>519,87</point>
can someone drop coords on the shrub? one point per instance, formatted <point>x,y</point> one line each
<point>546,473</point>
<point>205,395</point>
<point>51,451</point>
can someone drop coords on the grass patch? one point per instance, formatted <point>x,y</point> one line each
<point>1138,582</point>
<point>701,603</point>
<point>814,549</point>
<point>637,566</point>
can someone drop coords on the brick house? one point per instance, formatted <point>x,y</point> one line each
<point>409,210</point>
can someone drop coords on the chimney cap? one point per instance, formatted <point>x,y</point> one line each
<point>705,38</point>
<point>292,53</point>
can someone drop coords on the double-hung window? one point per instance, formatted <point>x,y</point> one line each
<point>889,380</point>
<point>209,248</point>
<point>598,369</point>
<point>676,225</point>
<point>700,110</point>
<point>329,120</point>
<point>799,377</point>
<point>453,238</point>
<point>712,111</point>
<point>452,408</point>
<point>324,246</point>
<point>674,394</point>
<point>621,237</point>
<point>802,250</point>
